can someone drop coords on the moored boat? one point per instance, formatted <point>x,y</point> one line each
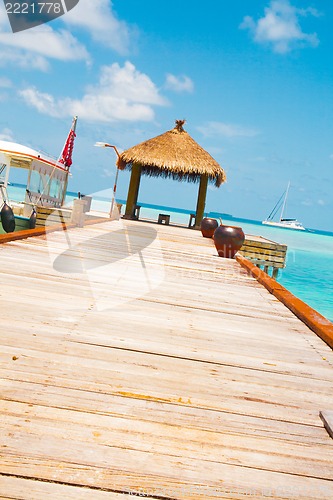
<point>46,184</point>
<point>283,222</point>
<point>286,223</point>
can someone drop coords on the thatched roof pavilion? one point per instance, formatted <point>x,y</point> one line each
<point>173,154</point>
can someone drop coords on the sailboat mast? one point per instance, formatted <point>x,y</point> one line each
<point>284,201</point>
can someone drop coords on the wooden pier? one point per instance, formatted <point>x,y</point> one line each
<point>266,254</point>
<point>134,361</point>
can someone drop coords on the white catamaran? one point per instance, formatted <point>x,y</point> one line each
<point>283,222</point>
<point>46,182</point>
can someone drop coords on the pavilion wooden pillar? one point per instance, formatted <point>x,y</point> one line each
<point>133,191</point>
<point>201,200</point>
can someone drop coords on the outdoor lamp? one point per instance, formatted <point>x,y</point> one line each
<point>106,145</point>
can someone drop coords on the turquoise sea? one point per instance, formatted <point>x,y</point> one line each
<point>309,268</point>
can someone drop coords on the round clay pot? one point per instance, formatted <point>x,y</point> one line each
<point>208,227</point>
<point>228,240</point>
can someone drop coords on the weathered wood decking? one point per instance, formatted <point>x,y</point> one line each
<point>162,371</point>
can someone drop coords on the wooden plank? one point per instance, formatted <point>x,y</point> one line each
<point>287,358</point>
<point>52,219</point>
<point>257,262</point>
<point>132,471</point>
<point>51,210</point>
<point>150,377</point>
<point>37,232</point>
<point>266,256</point>
<point>32,489</point>
<point>268,264</point>
<point>99,431</point>
<point>271,248</point>
<point>258,257</point>
<point>255,249</point>
<point>43,212</point>
<point>264,244</point>
<point>327,418</point>
<point>262,253</point>
<point>177,414</point>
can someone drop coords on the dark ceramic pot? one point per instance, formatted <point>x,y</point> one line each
<point>228,240</point>
<point>208,227</point>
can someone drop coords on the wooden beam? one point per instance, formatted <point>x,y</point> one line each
<point>201,200</point>
<point>133,191</point>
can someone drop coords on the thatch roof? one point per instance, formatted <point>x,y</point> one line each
<point>173,154</point>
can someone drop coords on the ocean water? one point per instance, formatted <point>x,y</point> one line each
<point>309,265</point>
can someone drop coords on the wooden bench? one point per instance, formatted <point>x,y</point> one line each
<point>52,216</point>
<point>163,217</point>
<point>264,253</point>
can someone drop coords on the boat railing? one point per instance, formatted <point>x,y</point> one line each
<point>47,156</point>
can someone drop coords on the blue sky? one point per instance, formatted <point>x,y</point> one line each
<point>253,79</point>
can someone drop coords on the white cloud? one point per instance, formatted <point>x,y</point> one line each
<point>30,49</point>
<point>213,129</point>
<point>280,27</point>
<point>46,43</point>
<point>123,93</point>
<point>33,47</point>
<point>179,83</point>
<point>3,17</point>
<point>211,187</point>
<point>309,10</point>
<point>5,83</point>
<point>24,60</point>
<point>307,203</point>
<point>6,135</point>
<point>101,22</point>
<point>107,173</point>
<point>127,82</point>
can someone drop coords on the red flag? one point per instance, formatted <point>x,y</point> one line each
<point>66,155</point>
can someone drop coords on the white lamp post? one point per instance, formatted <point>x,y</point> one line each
<point>106,145</point>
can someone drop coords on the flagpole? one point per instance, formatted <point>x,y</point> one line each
<point>66,161</point>
<point>71,135</point>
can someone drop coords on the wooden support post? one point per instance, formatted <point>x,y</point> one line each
<point>133,191</point>
<point>201,200</point>
<point>275,272</point>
